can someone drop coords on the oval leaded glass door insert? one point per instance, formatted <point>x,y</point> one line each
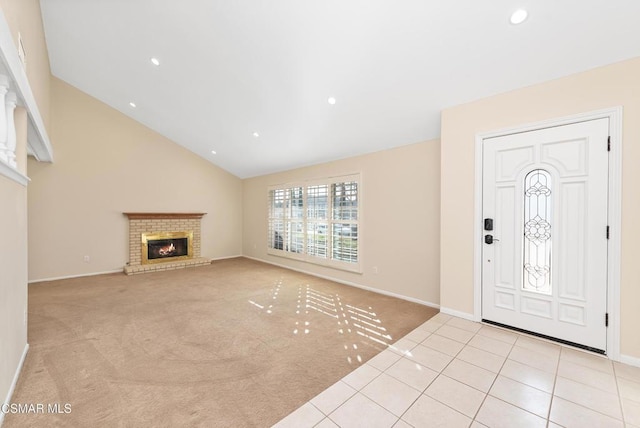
<point>537,232</point>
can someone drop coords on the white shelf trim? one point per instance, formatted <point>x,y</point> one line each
<point>37,137</point>
<point>13,174</point>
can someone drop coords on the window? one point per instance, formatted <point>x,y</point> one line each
<point>316,221</point>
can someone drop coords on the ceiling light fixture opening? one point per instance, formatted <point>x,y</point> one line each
<point>213,152</point>
<point>519,16</point>
<point>132,104</point>
<point>255,134</point>
<point>331,100</point>
<point>155,61</point>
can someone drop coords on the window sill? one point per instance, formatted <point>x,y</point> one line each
<point>332,264</point>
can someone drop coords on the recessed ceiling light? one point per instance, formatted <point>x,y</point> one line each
<point>519,16</point>
<point>132,104</point>
<point>213,152</point>
<point>255,134</point>
<point>331,100</point>
<point>155,61</point>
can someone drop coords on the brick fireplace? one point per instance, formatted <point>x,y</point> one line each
<point>164,241</point>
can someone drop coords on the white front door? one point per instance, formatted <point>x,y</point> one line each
<point>545,207</point>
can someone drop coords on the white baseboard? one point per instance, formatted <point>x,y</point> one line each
<point>16,376</point>
<point>227,257</point>
<point>33,281</point>
<point>459,314</point>
<point>632,361</point>
<point>352,284</point>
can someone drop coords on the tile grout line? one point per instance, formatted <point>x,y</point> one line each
<point>601,390</point>
<point>493,383</point>
<point>359,391</point>
<point>475,334</point>
<point>426,387</point>
<point>325,416</point>
<point>440,373</point>
<point>513,345</point>
<point>615,376</point>
<point>553,389</point>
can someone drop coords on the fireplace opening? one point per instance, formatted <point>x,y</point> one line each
<point>166,246</point>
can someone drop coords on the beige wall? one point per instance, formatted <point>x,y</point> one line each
<point>614,85</point>
<point>13,279</point>
<point>107,164</point>
<point>25,17</point>
<point>400,219</point>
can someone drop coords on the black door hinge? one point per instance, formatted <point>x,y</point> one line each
<point>609,143</point>
<point>606,320</point>
<point>607,232</point>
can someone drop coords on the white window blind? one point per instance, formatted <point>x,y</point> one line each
<point>316,221</point>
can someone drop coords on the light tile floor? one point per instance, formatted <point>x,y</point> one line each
<point>450,372</point>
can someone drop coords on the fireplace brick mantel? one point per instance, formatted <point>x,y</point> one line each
<point>150,216</point>
<point>149,223</point>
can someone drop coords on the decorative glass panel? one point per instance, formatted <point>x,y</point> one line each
<point>537,232</point>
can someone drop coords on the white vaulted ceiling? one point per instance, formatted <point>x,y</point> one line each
<point>229,68</point>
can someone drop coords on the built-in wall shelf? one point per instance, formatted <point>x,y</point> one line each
<point>16,91</point>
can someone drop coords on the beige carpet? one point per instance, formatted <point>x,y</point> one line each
<point>237,343</point>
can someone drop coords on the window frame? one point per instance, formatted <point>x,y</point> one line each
<point>329,220</point>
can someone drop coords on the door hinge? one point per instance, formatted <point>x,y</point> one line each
<point>606,319</point>
<point>609,143</point>
<point>607,232</point>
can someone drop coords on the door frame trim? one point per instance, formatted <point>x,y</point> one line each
<point>614,114</point>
